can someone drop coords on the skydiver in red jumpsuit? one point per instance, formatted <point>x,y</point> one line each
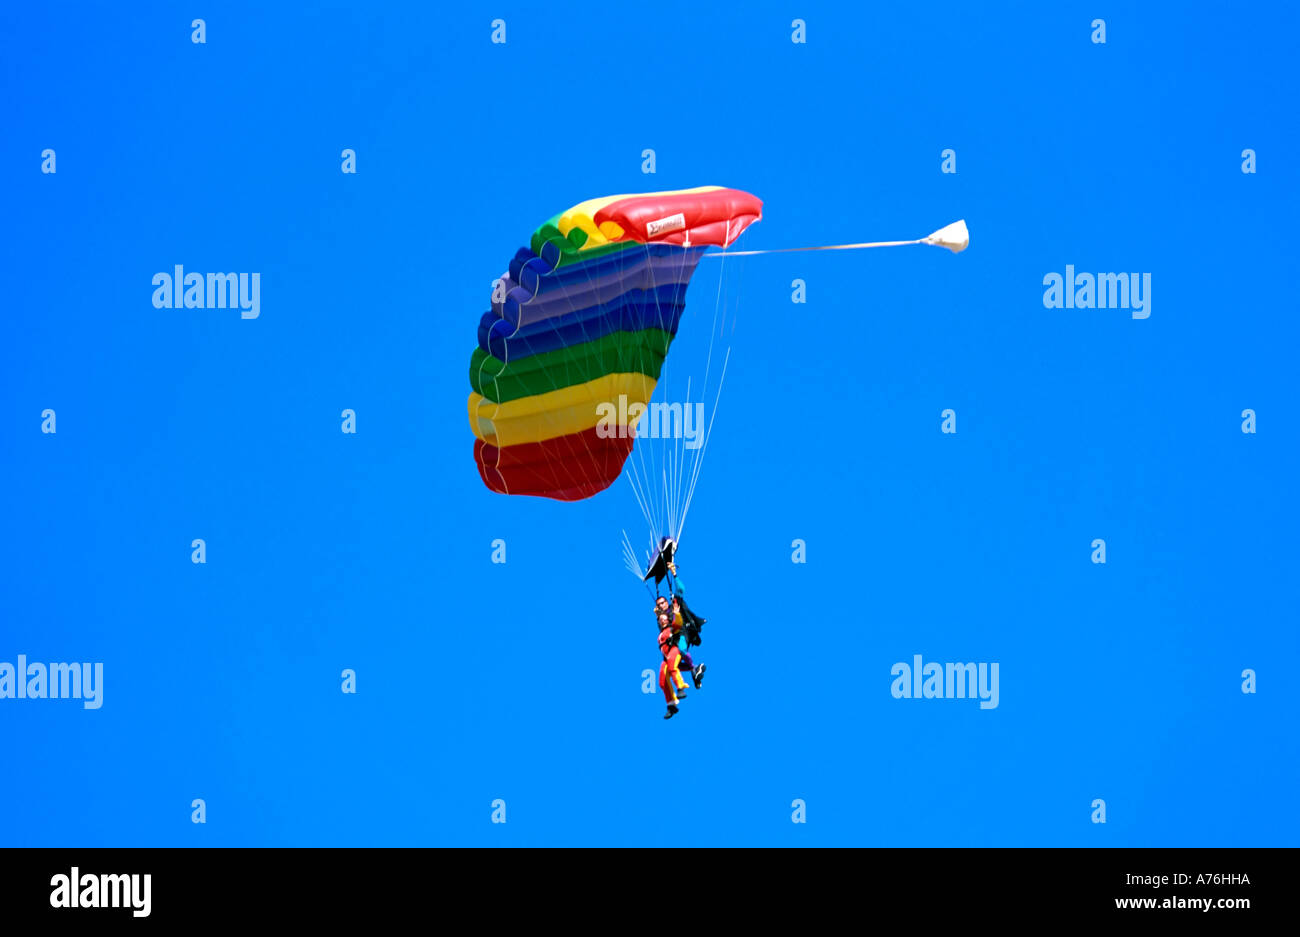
<point>670,678</point>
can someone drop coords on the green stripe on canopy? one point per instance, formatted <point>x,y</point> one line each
<point>616,353</point>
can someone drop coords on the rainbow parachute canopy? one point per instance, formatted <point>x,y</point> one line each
<point>583,321</point>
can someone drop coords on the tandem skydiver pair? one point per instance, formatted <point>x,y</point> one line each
<point>679,630</point>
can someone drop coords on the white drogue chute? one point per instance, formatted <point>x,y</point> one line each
<point>955,237</point>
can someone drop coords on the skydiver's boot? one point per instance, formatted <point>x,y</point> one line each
<point>698,675</point>
<point>672,711</point>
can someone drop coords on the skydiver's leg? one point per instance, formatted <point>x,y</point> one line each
<point>697,674</point>
<point>687,664</point>
<point>674,665</point>
<point>666,684</point>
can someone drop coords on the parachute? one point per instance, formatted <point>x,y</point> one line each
<point>571,350</point>
<point>664,556</point>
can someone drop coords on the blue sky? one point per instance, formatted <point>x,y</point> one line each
<point>521,681</point>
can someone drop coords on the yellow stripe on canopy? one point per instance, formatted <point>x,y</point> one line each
<point>560,412</point>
